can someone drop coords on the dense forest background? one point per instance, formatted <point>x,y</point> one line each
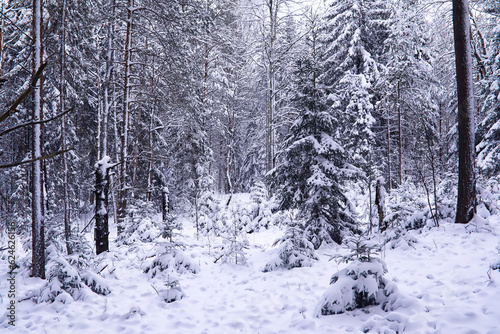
<point>191,99</point>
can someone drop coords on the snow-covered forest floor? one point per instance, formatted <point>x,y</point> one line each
<point>443,275</point>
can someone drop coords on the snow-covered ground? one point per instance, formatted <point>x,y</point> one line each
<point>444,278</point>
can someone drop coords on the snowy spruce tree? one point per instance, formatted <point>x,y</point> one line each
<point>294,249</point>
<point>351,40</point>
<point>488,133</point>
<point>361,283</point>
<point>314,163</point>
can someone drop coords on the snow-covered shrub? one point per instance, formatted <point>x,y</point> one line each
<point>146,231</point>
<point>406,208</point>
<point>361,283</point>
<point>67,280</point>
<point>488,197</point>
<point>495,264</point>
<point>212,216</point>
<point>294,249</point>
<point>399,237</point>
<point>142,225</point>
<point>262,207</point>
<point>95,282</point>
<point>169,261</point>
<point>447,193</point>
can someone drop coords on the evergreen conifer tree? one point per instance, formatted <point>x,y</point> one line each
<point>488,133</point>
<point>314,164</point>
<point>352,37</point>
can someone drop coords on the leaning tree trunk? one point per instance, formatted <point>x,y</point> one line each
<point>38,237</point>
<point>466,153</point>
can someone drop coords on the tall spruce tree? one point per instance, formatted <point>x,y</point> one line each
<point>352,39</point>
<point>314,163</point>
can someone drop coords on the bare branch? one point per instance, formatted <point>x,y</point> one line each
<point>36,159</point>
<point>20,99</point>
<point>33,123</point>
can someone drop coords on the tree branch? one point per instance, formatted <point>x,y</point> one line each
<point>21,97</point>
<point>36,159</point>
<point>33,123</point>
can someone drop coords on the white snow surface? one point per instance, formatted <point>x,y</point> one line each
<point>444,277</point>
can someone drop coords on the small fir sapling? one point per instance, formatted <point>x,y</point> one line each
<point>294,249</point>
<point>170,225</point>
<point>170,261</point>
<point>212,215</point>
<point>361,283</point>
<point>262,207</point>
<point>172,290</point>
<point>170,257</point>
<point>234,240</point>
<point>166,268</point>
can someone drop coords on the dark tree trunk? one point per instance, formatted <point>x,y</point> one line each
<point>62,92</point>
<point>101,205</point>
<point>466,153</point>
<point>379,202</point>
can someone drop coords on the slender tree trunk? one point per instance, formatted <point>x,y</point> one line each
<point>389,176</point>
<point>1,41</point>
<point>273,6</point>
<point>99,119</point>
<point>466,153</point>
<point>38,236</point>
<point>123,190</point>
<point>151,127</point>
<point>221,184</point>
<point>107,82</point>
<point>400,138</point>
<point>150,162</point>
<point>62,96</point>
